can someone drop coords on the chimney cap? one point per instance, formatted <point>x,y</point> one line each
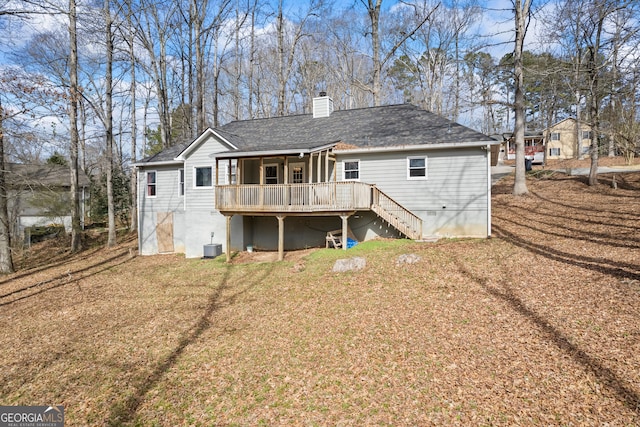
<point>323,93</point>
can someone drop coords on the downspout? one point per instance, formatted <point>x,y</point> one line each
<point>488,190</point>
<point>184,189</point>
<point>139,208</point>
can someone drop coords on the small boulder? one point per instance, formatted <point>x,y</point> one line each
<point>349,264</point>
<point>408,259</point>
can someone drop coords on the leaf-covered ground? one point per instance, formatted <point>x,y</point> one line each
<point>539,325</point>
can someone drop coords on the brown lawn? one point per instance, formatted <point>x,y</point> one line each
<point>539,325</point>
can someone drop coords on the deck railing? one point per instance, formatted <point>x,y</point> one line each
<point>395,214</point>
<point>330,196</point>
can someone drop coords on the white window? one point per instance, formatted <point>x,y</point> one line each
<point>271,174</point>
<point>417,167</point>
<point>586,134</point>
<point>234,178</point>
<point>555,136</point>
<point>351,170</point>
<point>203,177</point>
<point>181,182</point>
<point>152,183</point>
<point>554,151</point>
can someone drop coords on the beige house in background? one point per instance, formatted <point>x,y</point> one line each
<point>563,140</point>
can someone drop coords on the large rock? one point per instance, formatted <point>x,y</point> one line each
<point>408,259</point>
<point>349,264</point>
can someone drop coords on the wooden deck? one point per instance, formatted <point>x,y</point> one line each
<point>338,198</point>
<point>293,198</point>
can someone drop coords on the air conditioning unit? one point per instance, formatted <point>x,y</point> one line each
<point>212,250</point>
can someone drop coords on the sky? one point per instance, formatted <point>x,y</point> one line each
<point>496,28</point>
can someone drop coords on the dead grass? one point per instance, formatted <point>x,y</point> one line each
<point>536,326</point>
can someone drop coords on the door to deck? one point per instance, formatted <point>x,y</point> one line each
<point>299,194</point>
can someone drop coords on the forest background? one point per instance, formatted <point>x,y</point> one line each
<point>99,84</point>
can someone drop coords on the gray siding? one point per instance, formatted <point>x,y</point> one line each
<point>194,216</point>
<point>452,201</point>
<point>167,199</point>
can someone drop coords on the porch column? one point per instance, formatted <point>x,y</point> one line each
<point>326,167</point>
<point>345,228</point>
<point>319,167</point>
<point>228,248</point>
<point>280,237</point>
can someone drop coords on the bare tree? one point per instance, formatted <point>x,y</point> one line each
<point>154,25</point>
<point>6,262</point>
<point>380,59</point>
<point>74,94</point>
<point>108,33</point>
<point>522,11</point>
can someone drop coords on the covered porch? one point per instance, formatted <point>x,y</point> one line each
<point>298,182</point>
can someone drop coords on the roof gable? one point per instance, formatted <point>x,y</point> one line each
<point>204,137</point>
<point>178,153</point>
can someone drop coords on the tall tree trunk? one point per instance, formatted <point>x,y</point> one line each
<point>76,226</point>
<point>374,16</point>
<point>282,84</point>
<point>593,116</point>
<point>111,238</point>
<point>199,8</point>
<point>133,221</point>
<point>252,59</point>
<point>521,15</point>
<point>578,123</point>
<point>6,263</point>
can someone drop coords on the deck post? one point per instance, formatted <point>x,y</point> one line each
<point>280,237</point>
<point>345,228</point>
<point>228,248</point>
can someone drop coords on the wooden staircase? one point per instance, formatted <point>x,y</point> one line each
<point>402,219</point>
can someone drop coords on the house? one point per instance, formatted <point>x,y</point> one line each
<point>533,146</point>
<point>283,183</point>
<point>39,196</point>
<point>563,140</point>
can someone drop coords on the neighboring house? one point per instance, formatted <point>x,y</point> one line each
<point>533,146</point>
<point>39,196</point>
<point>563,140</point>
<point>562,143</point>
<point>284,183</point>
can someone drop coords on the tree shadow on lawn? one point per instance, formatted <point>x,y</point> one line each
<point>614,268</point>
<point>125,412</point>
<point>545,226</point>
<point>608,377</point>
<point>66,278</point>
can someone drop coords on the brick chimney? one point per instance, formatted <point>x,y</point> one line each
<point>322,106</point>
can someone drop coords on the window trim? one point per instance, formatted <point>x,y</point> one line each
<point>272,165</point>
<point>181,183</point>
<point>344,169</point>
<point>234,174</point>
<point>195,175</point>
<point>409,169</point>
<point>149,185</point>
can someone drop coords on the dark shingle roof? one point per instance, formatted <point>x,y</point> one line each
<point>168,154</point>
<point>386,126</point>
